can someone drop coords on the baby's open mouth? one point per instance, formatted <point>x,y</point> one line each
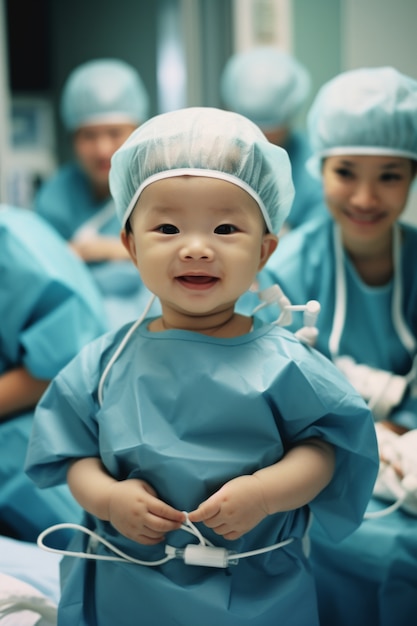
<point>195,279</point>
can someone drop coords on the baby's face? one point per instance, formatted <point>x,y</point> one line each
<point>198,243</point>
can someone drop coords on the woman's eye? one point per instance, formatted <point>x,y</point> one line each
<point>226,229</point>
<point>167,229</point>
<point>389,177</point>
<point>344,172</point>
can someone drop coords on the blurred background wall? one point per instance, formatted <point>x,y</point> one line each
<point>179,47</point>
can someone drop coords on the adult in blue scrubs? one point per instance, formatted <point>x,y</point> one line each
<point>270,86</point>
<point>102,102</point>
<point>50,308</point>
<point>166,415</point>
<point>359,262</point>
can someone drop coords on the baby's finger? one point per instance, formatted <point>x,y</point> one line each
<point>161,525</point>
<point>163,511</point>
<point>205,512</point>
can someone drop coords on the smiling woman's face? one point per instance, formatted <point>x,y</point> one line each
<point>366,194</point>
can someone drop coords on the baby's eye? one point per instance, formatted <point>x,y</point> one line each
<point>167,229</point>
<point>226,229</point>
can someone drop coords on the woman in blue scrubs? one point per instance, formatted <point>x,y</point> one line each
<point>201,416</point>
<point>50,308</point>
<point>360,263</point>
<point>269,86</point>
<point>103,101</point>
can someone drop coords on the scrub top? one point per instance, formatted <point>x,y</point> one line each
<point>50,308</point>
<point>66,201</point>
<point>304,266</point>
<point>188,412</point>
<point>308,200</point>
<point>370,578</point>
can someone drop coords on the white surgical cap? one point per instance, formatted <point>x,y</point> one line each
<point>265,84</point>
<point>364,111</point>
<point>103,91</point>
<point>209,142</point>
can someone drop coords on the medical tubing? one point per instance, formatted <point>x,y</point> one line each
<point>340,296</point>
<point>123,557</point>
<point>407,337</point>
<point>121,347</point>
<point>204,553</point>
<point>275,295</point>
<point>409,483</point>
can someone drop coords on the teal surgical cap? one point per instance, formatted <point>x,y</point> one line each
<point>364,111</point>
<point>103,91</point>
<point>265,84</point>
<point>203,141</point>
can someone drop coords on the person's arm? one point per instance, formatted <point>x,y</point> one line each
<point>131,506</point>
<point>99,248</point>
<point>292,482</point>
<point>19,390</point>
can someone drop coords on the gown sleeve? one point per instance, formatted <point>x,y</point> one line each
<point>324,405</point>
<point>65,425</point>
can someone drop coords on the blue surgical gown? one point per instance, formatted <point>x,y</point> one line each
<point>188,412</point>
<point>50,308</point>
<point>384,550</point>
<point>308,200</point>
<point>66,201</point>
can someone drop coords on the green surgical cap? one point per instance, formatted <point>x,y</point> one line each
<point>364,111</point>
<point>265,84</point>
<point>103,91</point>
<point>203,141</point>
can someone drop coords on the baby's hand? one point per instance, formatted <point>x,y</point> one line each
<point>233,510</point>
<point>138,514</point>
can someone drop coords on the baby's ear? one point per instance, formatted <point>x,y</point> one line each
<point>128,241</point>
<point>269,245</point>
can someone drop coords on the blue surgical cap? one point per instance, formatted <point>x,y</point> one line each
<point>103,91</point>
<point>364,111</point>
<point>265,84</point>
<point>209,142</point>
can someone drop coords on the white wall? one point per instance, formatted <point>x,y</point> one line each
<point>382,32</point>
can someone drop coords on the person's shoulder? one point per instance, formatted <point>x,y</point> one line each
<point>63,179</point>
<point>68,171</point>
<point>24,225</point>
<point>299,356</point>
<point>97,353</point>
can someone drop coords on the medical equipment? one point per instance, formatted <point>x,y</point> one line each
<point>203,554</point>
<point>274,295</point>
<point>397,477</point>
